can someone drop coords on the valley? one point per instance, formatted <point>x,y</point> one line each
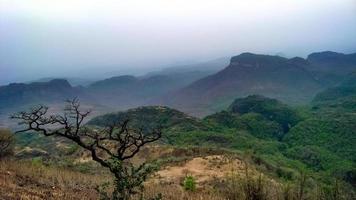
<point>265,125</point>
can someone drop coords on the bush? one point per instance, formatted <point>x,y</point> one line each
<point>189,183</point>
<point>6,143</point>
<point>248,187</point>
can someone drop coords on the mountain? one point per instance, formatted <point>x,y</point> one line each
<point>272,76</point>
<point>206,68</point>
<point>321,139</point>
<point>331,61</point>
<point>327,136</point>
<point>346,88</point>
<point>151,117</point>
<point>198,89</point>
<point>342,96</point>
<point>129,91</point>
<point>331,67</point>
<point>271,109</point>
<point>74,81</point>
<point>21,94</point>
<point>262,117</point>
<point>276,135</point>
<point>119,93</point>
<point>326,139</point>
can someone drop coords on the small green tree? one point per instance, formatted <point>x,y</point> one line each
<point>189,183</point>
<point>111,146</point>
<point>6,142</point>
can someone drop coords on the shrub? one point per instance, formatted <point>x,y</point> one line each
<point>189,183</point>
<point>248,187</point>
<point>6,143</point>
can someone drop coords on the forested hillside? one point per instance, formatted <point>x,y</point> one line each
<point>281,138</point>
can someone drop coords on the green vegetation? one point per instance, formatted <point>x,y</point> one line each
<point>271,109</point>
<point>279,139</point>
<point>190,183</point>
<point>337,101</point>
<point>150,117</point>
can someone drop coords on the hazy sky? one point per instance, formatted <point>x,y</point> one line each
<point>72,37</point>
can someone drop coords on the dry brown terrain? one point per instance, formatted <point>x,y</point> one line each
<point>31,180</point>
<point>204,169</point>
<point>24,180</point>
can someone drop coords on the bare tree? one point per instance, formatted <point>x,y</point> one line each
<point>6,142</point>
<point>110,146</point>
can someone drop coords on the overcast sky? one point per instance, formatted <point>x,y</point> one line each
<point>40,38</point>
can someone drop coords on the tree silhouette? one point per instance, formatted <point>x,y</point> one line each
<point>111,146</point>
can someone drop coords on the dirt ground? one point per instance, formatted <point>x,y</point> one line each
<point>203,169</point>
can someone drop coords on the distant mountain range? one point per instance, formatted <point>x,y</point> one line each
<point>195,89</point>
<point>332,62</point>
<point>293,81</point>
<point>21,94</point>
<point>129,91</point>
<point>208,67</point>
<point>331,67</point>
<point>119,91</point>
<point>73,81</point>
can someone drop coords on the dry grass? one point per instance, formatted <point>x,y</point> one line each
<point>31,180</point>
<point>218,177</point>
<point>26,180</point>
<point>176,192</point>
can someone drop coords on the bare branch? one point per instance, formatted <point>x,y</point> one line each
<point>114,141</point>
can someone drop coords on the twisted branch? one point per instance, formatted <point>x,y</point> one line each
<point>116,141</point>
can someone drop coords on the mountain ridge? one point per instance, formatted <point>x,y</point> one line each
<point>293,80</point>
<point>248,73</point>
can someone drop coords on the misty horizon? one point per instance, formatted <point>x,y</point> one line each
<point>103,39</point>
